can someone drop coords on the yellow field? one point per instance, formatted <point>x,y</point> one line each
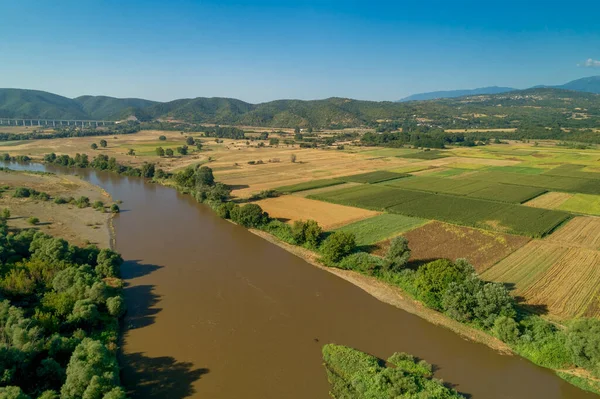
<point>582,231</point>
<point>551,277</point>
<point>551,200</point>
<point>329,216</point>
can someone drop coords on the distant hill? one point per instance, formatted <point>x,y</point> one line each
<point>456,93</point>
<point>110,108</point>
<point>19,103</point>
<point>539,106</point>
<point>588,85</point>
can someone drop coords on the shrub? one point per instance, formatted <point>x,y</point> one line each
<point>162,138</point>
<point>5,213</point>
<point>115,306</point>
<point>33,220</point>
<point>224,209</point>
<point>362,262</point>
<point>22,192</point>
<point>82,202</point>
<point>434,278</point>
<point>337,245</point>
<point>98,205</point>
<point>60,200</point>
<point>114,208</point>
<point>307,232</point>
<point>506,329</point>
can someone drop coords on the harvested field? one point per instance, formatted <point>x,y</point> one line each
<point>551,200</point>
<point>582,231</point>
<point>329,216</point>
<point>76,225</point>
<point>440,240</point>
<point>373,177</point>
<point>381,227</point>
<point>309,185</point>
<point>553,278</point>
<point>582,203</point>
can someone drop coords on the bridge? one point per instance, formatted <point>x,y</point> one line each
<point>52,122</point>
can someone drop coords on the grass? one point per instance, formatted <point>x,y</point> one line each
<point>426,155</point>
<point>309,185</point>
<point>373,177</point>
<point>582,203</point>
<point>381,227</point>
<point>447,173</point>
<point>505,217</point>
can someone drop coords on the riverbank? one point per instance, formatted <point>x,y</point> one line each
<point>78,225</point>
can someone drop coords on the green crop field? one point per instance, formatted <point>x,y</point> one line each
<point>447,173</point>
<point>508,193</point>
<point>426,155</point>
<point>373,177</point>
<point>374,197</point>
<point>551,183</point>
<point>309,185</point>
<point>381,227</point>
<point>518,169</point>
<point>505,217</point>
<point>572,171</point>
<point>582,203</point>
<point>471,188</point>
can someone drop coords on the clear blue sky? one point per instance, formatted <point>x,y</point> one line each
<point>264,50</point>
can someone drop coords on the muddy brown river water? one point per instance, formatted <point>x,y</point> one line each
<point>217,312</point>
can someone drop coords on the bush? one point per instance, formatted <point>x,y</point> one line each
<point>224,209</point>
<point>5,213</point>
<point>114,208</point>
<point>115,306</point>
<point>162,138</point>
<point>82,202</point>
<point>337,245</point>
<point>362,262</point>
<point>583,342</point>
<point>99,205</point>
<point>22,192</point>
<point>506,329</point>
<point>33,220</point>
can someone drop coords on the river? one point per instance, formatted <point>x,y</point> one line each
<point>217,312</point>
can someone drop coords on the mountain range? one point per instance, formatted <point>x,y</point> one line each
<point>498,110</point>
<point>589,85</point>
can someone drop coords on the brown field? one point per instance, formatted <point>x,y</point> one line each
<point>329,216</point>
<point>581,231</point>
<point>440,240</point>
<point>78,226</point>
<point>474,161</point>
<point>551,200</point>
<point>552,278</point>
<point>479,130</point>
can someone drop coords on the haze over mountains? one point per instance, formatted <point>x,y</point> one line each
<point>590,85</point>
<point>331,112</point>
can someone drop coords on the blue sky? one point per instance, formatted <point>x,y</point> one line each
<point>265,50</point>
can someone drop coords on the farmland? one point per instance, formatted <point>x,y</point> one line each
<point>381,227</point>
<point>477,198</point>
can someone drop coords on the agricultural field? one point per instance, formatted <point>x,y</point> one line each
<point>381,227</point>
<point>582,203</point>
<point>440,240</point>
<point>504,217</point>
<point>552,278</point>
<point>373,177</point>
<point>309,185</point>
<point>550,200</point>
<point>289,208</point>
<point>582,231</point>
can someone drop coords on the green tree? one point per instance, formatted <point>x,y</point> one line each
<point>307,232</point>
<point>182,150</point>
<point>5,213</point>
<point>103,143</point>
<point>160,151</point>
<point>338,245</point>
<point>116,306</point>
<point>94,146</point>
<point>583,342</point>
<point>398,254</point>
<point>12,392</point>
<point>297,130</point>
<point>148,170</point>
<point>162,138</point>
<point>433,279</point>
<point>204,176</point>
<point>190,140</point>
<point>249,215</point>
<point>506,329</point>
<point>131,151</point>
<point>92,371</point>
<point>108,263</point>
<point>169,152</point>
<point>114,208</point>
<point>274,141</point>
<point>293,158</point>
<point>199,145</point>
<point>33,220</point>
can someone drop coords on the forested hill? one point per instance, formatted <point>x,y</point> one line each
<point>457,93</point>
<point>542,106</point>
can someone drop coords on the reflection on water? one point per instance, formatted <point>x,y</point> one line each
<point>217,312</point>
